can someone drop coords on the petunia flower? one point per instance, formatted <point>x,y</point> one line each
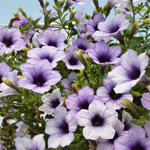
<point>10,39</point>
<point>109,143</point>
<point>82,100</point>
<point>25,143</point>
<point>39,77</point>
<point>51,38</point>
<point>113,27</point>
<point>67,82</point>
<point>61,128</point>
<point>97,121</point>
<point>130,72</point>
<point>112,100</point>
<point>136,140</point>
<point>71,60</point>
<point>51,101</point>
<point>49,53</point>
<point>82,44</point>
<point>79,15</point>
<point>103,55</point>
<point>92,26</point>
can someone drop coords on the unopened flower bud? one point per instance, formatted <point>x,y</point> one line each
<point>128,104</point>
<point>26,49</point>
<point>4,142</point>
<point>10,83</point>
<point>74,86</point>
<point>86,57</point>
<point>72,13</point>
<point>19,77</point>
<point>15,13</point>
<point>145,21</point>
<point>96,3</point>
<point>81,58</point>
<point>22,11</point>
<point>41,3</point>
<point>136,94</point>
<point>81,73</point>
<point>92,68</point>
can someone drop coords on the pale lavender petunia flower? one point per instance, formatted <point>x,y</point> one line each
<point>67,82</point>
<point>92,26</point>
<point>82,100</point>
<point>104,55</point>
<point>130,72</point>
<point>146,99</point>
<point>82,44</point>
<point>10,39</point>
<point>6,90</point>
<point>109,144</point>
<point>51,101</point>
<point>25,143</point>
<point>39,77</point>
<point>108,95</point>
<point>97,121</point>
<point>51,38</point>
<point>113,27</point>
<point>147,128</point>
<point>71,60</point>
<point>49,53</point>
<point>61,128</point>
<point>82,29</point>
<point>79,15</point>
<point>35,40</point>
<point>136,140</point>
<point>5,69</point>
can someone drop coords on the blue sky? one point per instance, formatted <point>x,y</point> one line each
<point>30,7</point>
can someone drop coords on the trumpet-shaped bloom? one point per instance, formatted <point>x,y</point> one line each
<point>51,38</point>
<point>46,52</point>
<point>113,27</point>
<point>82,100</point>
<point>10,39</point>
<point>51,101</point>
<point>71,60</point>
<point>130,72</point>
<point>109,96</point>
<point>136,140</point>
<point>82,44</point>
<point>25,143</point>
<point>97,121</point>
<point>60,128</point>
<point>39,77</point>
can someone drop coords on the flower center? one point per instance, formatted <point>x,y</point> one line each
<point>96,27</point>
<point>113,95</point>
<point>39,80</point>
<point>113,29</point>
<point>103,58</point>
<point>115,137</point>
<point>7,41</point>
<point>138,146</point>
<point>83,47</point>
<point>64,127</point>
<point>52,43</point>
<point>55,103</point>
<point>48,58</point>
<point>97,120</point>
<point>73,61</point>
<point>84,105</point>
<point>134,73</point>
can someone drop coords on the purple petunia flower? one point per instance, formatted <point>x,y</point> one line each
<point>136,140</point>
<point>79,15</point>
<point>82,44</point>
<point>146,99</point>
<point>25,143</point>
<point>113,27</point>
<point>10,39</point>
<point>39,77</point>
<point>109,144</point>
<point>5,69</point>
<point>92,26</point>
<point>60,128</point>
<point>109,96</point>
<point>46,52</point>
<point>82,29</point>
<point>67,82</point>
<point>71,60</point>
<point>51,38</point>
<point>82,100</point>
<point>51,101</point>
<point>103,55</point>
<point>6,90</point>
<point>131,71</point>
<point>97,121</point>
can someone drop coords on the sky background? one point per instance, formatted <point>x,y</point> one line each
<point>31,8</point>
